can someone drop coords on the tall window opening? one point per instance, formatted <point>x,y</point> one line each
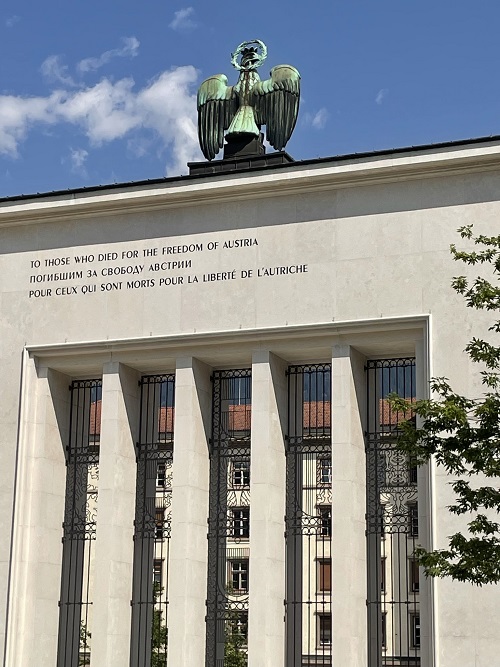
<point>79,527</point>
<point>308,517</point>
<point>149,642</point>
<point>392,522</point>
<point>229,519</point>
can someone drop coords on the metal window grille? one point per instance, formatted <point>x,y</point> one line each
<point>79,527</point>
<point>229,516</point>
<point>149,641</point>
<point>308,517</point>
<point>392,520</point>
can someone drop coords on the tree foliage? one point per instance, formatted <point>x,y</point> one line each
<point>236,633</point>
<point>159,637</point>
<point>234,652</point>
<point>463,434</point>
<point>84,653</point>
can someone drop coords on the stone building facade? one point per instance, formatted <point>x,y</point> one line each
<point>208,357</point>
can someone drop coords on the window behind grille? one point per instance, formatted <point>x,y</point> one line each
<point>152,525</point>
<point>79,527</point>
<point>229,519</point>
<point>392,521</point>
<point>308,516</point>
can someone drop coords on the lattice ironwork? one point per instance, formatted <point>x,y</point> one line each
<point>229,517</point>
<point>392,521</point>
<point>79,527</point>
<point>152,525</point>
<point>308,516</point>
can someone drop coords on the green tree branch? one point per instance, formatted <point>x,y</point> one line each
<point>463,434</point>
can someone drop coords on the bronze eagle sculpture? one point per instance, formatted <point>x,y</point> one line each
<point>242,109</point>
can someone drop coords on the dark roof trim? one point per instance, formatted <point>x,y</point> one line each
<point>292,165</point>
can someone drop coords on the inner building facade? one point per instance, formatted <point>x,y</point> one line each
<point>216,522</point>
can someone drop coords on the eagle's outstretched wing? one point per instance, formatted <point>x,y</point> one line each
<point>217,104</point>
<point>276,103</point>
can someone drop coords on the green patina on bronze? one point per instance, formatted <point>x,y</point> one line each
<point>242,109</point>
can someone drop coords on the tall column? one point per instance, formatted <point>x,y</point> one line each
<point>37,552</point>
<point>190,483</point>
<point>110,642</point>
<point>349,622</point>
<point>266,632</point>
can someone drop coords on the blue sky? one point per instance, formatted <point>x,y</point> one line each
<point>104,91</point>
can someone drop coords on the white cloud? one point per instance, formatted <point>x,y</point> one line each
<point>130,49</point>
<point>109,111</point>
<point>182,20</point>
<point>380,95</point>
<point>54,71</point>
<point>17,115</point>
<point>317,120</point>
<point>77,158</point>
<point>12,20</point>
<point>320,118</point>
<point>105,111</point>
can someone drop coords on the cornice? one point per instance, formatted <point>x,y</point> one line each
<point>219,338</point>
<point>246,186</point>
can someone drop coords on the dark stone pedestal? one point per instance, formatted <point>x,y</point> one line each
<point>239,163</point>
<point>241,151</point>
<point>243,145</point>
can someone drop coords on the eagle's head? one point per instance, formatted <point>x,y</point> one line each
<point>249,58</point>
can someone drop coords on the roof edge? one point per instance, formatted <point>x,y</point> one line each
<point>297,164</point>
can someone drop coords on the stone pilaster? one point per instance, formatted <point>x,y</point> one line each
<point>112,590</point>
<point>266,632</point>
<point>188,557</point>
<point>349,620</point>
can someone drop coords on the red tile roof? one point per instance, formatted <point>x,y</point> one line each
<point>240,417</point>
<point>166,420</point>
<point>316,415</point>
<point>388,417</point>
<point>95,418</point>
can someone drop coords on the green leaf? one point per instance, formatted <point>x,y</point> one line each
<point>463,434</point>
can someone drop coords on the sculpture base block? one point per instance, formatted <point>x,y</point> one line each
<point>244,145</point>
<point>248,163</point>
